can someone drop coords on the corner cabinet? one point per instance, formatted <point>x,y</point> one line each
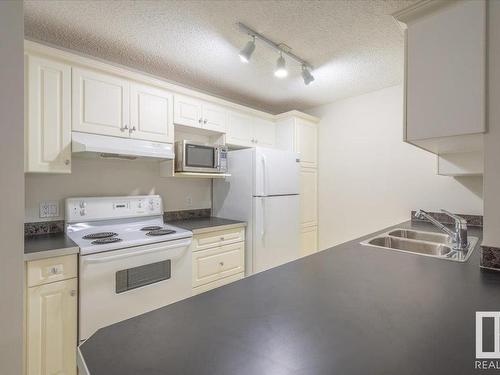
<point>47,115</point>
<point>299,133</point>
<point>445,77</point>
<point>51,316</point>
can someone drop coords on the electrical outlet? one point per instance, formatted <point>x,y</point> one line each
<point>49,209</point>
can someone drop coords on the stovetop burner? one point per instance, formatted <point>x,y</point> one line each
<point>94,236</point>
<point>103,241</point>
<point>160,232</point>
<point>151,227</point>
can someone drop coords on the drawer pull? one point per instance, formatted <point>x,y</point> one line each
<point>54,271</point>
<point>221,264</point>
<point>72,293</point>
<point>222,238</point>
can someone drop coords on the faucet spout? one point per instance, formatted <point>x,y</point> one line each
<point>458,237</point>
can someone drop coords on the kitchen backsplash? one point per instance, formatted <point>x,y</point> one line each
<point>97,177</point>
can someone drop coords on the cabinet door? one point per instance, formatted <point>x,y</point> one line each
<point>214,118</point>
<point>100,103</point>
<point>187,111</point>
<point>48,116</point>
<point>264,132</point>
<point>51,328</point>
<point>151,113</point>
<point>306,142</point>
<point>240,130</point>
<point>308,240</point>
<point>308,197</point>
<point>445,72</point>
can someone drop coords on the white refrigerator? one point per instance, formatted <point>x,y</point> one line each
<point>263,190</point>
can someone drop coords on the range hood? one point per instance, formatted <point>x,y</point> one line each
<point>93,145</point>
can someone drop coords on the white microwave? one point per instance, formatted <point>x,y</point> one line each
<point>199,157</point>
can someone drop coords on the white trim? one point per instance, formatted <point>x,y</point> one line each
<point>420,9</point>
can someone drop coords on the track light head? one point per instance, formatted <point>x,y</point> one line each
<point>247,51</point>
<point>306,75</point>
<point>280,70</point>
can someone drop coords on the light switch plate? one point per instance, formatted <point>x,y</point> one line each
<point>49,209</point>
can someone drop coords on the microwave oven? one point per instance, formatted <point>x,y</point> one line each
<point>199,157</point>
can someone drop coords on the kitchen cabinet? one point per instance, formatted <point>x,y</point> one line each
<point>151,113</point>
<point>308,196</point>
<point>101,103</point>
<point>244,130</point>
<point>218,258</point>
<point>47,115</point>
<point>445,75</point>
<point>51,316</point>
<point>308,240</point>
<point>197,113</point>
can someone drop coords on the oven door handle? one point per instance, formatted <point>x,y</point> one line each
<point>99,259</point>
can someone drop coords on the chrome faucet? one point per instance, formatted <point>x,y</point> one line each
<point>458,237</point>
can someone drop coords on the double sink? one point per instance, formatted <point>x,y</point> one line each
<point>430,244</point>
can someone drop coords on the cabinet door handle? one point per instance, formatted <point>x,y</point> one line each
<point>221,264</point>
<point>205,121</point>
<point>66,162</point>
<point>200,120</point>
<point>125,127</point>
<point>72,293</point>
<point>222,238</point>
<point>133,129</point>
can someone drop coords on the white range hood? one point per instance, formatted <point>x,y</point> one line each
<point>107,147</point>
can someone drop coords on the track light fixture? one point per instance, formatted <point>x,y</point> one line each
<point>246,52</point>
<point>306,75</point>
<point>281,70</point>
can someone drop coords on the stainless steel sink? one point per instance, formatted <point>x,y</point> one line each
<point>421,243</point>
<point>422,236</point>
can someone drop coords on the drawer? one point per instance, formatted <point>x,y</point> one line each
<point>44,271</point>
<point>218,283</point>
<point>218,238</point>
<point>219,262</point>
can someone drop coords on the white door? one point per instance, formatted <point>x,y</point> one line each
<point>308,196</point>
<point>214,118</point>
<point>51,328</point>
<point>239,130</point>
<point>187,111</point>
<point>264,132</point>
<point>276,238</point>
<point>276,172</point>
<point>100,103</point>
<point>125,283</point>
<point>48,116</point>
<point>306,143</point>
<point>151,113</point>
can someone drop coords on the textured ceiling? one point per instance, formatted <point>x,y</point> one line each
<point>355,46</point>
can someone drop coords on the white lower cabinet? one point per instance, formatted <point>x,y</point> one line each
<point>51,320</point>
<point>218,258</point>
<point>308,240</point>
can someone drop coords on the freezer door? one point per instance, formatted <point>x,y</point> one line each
<point>276,172</point>
<point>275,231</point>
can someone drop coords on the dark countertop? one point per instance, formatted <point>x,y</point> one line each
<point>348,310</point>
<point>206,224</point>
<point>48,245</point>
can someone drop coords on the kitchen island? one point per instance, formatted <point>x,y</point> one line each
<point>351,309</point>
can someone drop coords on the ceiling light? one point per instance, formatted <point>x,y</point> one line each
<point>306,75</point>
<point>246,52</point>
<point>281,71</point>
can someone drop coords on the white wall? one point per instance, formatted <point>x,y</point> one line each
<point>11,187</point>
<point>369,178</point>
<point>97,177</point>
<point>491,233</point>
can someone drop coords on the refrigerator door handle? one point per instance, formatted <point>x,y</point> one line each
<point>264,175</point>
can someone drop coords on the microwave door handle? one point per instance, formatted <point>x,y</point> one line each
<point>217,158</point>
<point>89,259</point>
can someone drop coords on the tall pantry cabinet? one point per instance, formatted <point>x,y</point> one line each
<point>298,132</point>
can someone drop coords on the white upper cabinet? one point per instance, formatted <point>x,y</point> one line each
<point>100,103</point>
<point>187,111</point>
<point>445,70</point>
<point>240,130</point>
<point>151,113</point>
<point>264,132</point>
<point>306,142</point>
<point>47,116</point>
<point>197,113</point>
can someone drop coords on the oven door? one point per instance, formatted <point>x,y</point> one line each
<point>199,158</point>
<point>119,284</point>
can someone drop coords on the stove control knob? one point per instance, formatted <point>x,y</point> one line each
<point>83,211</point>
<point>151,205</point>
<point>83,204</point>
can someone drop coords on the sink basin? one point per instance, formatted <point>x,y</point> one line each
<point>425,243</point>
<point>418,247</point>
<point>422,236</point>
